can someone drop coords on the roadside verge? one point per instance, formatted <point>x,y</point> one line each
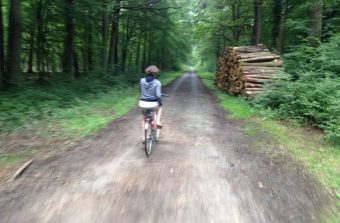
<point>305,145</point>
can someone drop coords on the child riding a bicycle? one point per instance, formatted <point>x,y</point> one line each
<point>150,94</point>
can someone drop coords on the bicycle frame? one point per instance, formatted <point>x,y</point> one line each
<point>150,119</point>
<point>151,131</point>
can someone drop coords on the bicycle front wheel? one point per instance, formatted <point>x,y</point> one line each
<point>148,141</point>
<point>157,134</point>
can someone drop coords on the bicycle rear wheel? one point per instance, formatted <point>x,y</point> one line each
<point>148,141</point>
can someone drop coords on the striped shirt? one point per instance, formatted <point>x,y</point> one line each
<point>150,89</point>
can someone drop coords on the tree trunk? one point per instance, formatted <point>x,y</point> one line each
<point>277,23</point>
<point>149,49</point>
<point>89,48</point>
<point>76,64</point>
<point>113,53</point>
<point>131,60</point>
<point>264,64</point>
<point>31,52</point>
<point>104,37</point>
<point>162,53</point>
<point>68,60</point>
<point>139,42</point>
<point>144,62</point>
<point>14,41</point>
<point>260,58</point>
<point>84,56</point>
<point>2,70</point>
<point>316,11</point>
<point>125,44</point>
<point>236,15</point>
<point>41,40</point>
<point>257,22</point>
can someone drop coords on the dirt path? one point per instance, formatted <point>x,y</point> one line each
<point>202,170</point>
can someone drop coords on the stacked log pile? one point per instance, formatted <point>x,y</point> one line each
<point>245,69</point>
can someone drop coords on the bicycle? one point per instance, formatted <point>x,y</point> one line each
<point>151,130</point>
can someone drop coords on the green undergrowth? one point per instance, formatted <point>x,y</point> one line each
<point>94,114</point>
<point>80,106</point>
<point>322,159</point>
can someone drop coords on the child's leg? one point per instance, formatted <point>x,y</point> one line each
<point>159,113</point>
<point>143,133</point>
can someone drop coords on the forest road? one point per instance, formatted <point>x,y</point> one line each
<point>204,169</point>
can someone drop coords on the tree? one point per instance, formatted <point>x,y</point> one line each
<point>14,41</point>
<point>63,35</point>
<point>104,33</point>
<point>113,51</point>
<point>277,25</point>
<point>235,17</point>
<point>2,71</point>
<point>41,38</point>
<point>257,22</point>
<point>315,29</point>
<point>68,58</point>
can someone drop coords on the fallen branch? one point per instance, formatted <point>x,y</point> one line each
<point>21,170</point>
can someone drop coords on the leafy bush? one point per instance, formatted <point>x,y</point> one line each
<point>325,60</point>
<point>311,94</point>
